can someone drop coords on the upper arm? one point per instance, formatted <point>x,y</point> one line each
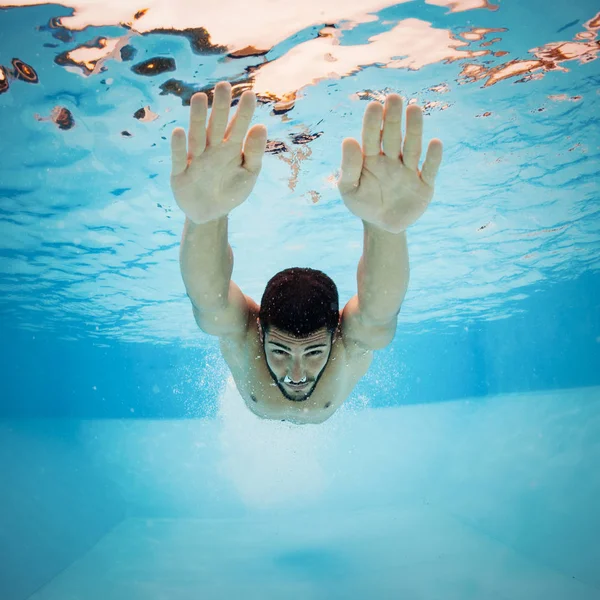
<point>230,321</point>
<point>358,330</point>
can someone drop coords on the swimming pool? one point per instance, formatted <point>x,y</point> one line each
<point>463,465</point>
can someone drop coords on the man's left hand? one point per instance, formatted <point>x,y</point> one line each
<point>381,183</point>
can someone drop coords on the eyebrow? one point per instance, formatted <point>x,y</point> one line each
<point>289,349</point>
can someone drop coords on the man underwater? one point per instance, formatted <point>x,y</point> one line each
<point>297,357</point>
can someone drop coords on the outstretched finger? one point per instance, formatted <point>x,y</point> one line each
<point>197,135</point>
<point>238,126</point>
<point>219,115</point>
<point>254,148</point>
<point>178,151</point>
<point>413,137</point>
<point>352,162</point>
<point>371,132</point>
<point>433,158</point>
<point>391,138</point>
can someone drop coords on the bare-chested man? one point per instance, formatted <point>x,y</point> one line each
<point>297,357</point>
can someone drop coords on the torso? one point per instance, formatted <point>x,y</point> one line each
<point>247,362</point>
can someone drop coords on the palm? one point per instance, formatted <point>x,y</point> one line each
<point>220,175</point>
<point>382,186</point>
<point>216,175</point>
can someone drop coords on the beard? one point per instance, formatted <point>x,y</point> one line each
<point>284,391</point>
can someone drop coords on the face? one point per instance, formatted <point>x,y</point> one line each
<point>296,363</point>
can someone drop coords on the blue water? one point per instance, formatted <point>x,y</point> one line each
<point>463,465</point>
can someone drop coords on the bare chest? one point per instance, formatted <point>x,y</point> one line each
<point>262,395</point>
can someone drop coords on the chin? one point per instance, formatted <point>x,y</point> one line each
<point>299,398</point>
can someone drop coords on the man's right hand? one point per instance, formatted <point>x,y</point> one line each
<point>215,174</point>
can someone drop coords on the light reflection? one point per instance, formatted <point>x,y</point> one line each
<point>259,26</point>
<point>463,5</point>
<point>548,57</point>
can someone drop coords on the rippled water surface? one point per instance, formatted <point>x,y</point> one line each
<point>91,92</point>
<point>463,466</point>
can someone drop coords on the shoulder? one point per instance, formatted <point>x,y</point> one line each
<point>232,321</point>
<point>360,334</point>
<point>247,335</point>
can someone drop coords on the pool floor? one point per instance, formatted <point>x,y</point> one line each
<point>413,553</point>
<point>483,498</point>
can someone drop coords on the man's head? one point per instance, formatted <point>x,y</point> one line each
<point>299,315</point>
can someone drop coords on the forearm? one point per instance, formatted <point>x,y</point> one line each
<point>206,262</point>
<point>383,274</point>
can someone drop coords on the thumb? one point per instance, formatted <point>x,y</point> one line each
<point>254,148</point>
<point>352,162</point>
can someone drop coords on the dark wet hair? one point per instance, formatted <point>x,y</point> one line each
<point>300,301</point>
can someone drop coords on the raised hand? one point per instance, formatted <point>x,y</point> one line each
<point>381,183</point>
<point>218,169</point>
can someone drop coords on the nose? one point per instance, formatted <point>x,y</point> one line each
<point>296,373</point>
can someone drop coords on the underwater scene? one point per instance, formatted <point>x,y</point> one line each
<point>299,300</point>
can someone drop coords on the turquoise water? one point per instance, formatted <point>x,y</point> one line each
<point>464,464</point>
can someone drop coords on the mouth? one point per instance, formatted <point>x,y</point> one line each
<point>297,386</point>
